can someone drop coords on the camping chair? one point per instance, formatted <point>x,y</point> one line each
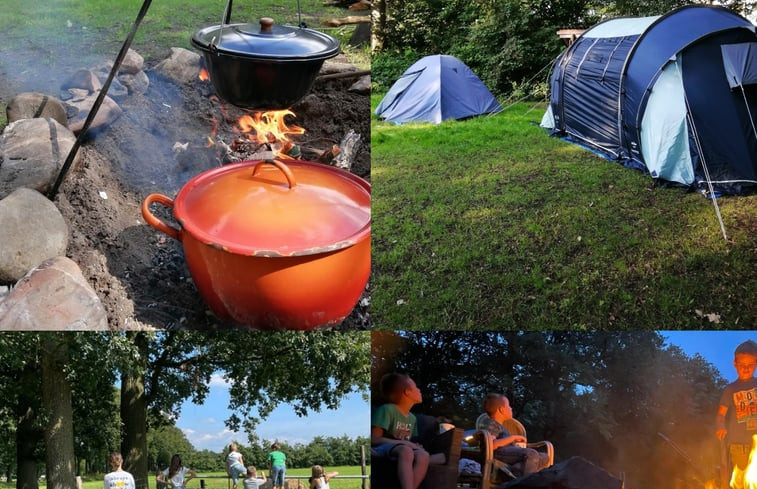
<point>479,448</point>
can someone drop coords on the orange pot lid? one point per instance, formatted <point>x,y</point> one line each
<point>294,208</point>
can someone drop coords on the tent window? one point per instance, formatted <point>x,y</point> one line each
<point>740,63</point>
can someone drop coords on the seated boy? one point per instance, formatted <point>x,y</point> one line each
<point>508,448</point>
<point>392,426</point>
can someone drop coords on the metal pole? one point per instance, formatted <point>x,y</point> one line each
<point>99,100</point>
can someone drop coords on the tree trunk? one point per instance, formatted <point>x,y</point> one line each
<point>378,16</point>
<point>134,416</point>
<point>27,434</point>
<point>56,399</point>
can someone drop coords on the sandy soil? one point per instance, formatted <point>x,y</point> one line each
<point>140,274</point>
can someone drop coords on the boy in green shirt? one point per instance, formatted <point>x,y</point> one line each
<point>277,466</point>
<point>392,426</point>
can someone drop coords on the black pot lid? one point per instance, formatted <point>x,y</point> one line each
<point>266,41</point>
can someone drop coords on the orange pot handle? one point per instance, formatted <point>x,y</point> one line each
<point>154,221</point>
<point>281,166</point>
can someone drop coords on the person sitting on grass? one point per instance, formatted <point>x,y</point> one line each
<point>252,481</point>
<point>392,426</point>
<point>320,479</point>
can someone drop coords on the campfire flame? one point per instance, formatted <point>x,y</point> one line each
<point>270,129</point>
<point>747,478</point>
<point>204,75</point>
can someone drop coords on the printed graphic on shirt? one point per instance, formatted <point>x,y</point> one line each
<point>746,408</point>
<point>402,431</point>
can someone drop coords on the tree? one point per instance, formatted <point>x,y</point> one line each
<point>311,370</point>
<point>56,400</point>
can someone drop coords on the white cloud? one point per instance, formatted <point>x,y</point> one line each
<point>218,380</point>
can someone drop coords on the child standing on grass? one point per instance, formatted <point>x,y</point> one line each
<point>252,481</point>
<point>736,422</point>
<point>320,479</point>
<point>176,475</point>
<point>277,466</point>
<point>118,478</point>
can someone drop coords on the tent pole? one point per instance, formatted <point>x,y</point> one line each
<point>751,119</point>
<point>702,158</point>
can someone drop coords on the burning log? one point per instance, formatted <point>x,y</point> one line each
<point>326,157</point>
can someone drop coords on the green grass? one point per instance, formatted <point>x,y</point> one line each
<point>96,481</point>
<point>491,223</point>
<point>102,25</point>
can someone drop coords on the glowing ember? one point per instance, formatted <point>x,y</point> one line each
<point>204,75</point>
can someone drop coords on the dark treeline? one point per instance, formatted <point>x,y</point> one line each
<point>505,42</point>
<point>605,396</point>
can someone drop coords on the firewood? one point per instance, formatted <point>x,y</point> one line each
<point>361,5</point>
<point>344,74</point>
<point>349,147</point>
<point>328,156</point>
<point>351,19</point>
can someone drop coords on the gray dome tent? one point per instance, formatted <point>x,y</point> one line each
<point>434,89</point>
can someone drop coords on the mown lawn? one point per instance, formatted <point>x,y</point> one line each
<point>96,481</point>
<point>491,223</point>
<point>105,23</point>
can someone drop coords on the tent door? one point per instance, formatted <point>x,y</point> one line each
<point>664,130</point>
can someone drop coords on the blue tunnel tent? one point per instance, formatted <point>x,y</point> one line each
<point>434,89</point>
<point>674,95</point>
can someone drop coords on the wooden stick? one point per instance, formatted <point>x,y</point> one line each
<point>344,74</point>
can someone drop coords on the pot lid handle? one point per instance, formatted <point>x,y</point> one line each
<point>266,25</point>
<point>281,166</point>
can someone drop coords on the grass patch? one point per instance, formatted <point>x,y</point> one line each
<point>491,223</point>
<point>103,25</point>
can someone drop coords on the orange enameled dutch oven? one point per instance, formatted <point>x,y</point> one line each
<point>274,245</point>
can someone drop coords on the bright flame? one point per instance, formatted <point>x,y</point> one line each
<point>746,479</point>
<point>269,128</point>
<point>204,75</point>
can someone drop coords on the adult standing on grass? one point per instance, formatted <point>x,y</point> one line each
<point>176,475</point>
<point>277,465</point>
<point>235,464</point>
<point>118,478</point>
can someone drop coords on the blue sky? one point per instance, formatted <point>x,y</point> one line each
<point>204,425</point>
<point>715,346</point>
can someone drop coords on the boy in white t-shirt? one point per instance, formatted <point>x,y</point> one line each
<point>252,481</point>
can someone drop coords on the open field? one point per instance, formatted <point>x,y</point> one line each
<point>219,480</point>
<point>491,223</point>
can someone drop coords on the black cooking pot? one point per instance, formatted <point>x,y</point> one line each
<point>263,66</point>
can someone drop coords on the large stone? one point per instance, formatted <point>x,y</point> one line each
<point>32,151</point>
<point>183,66</point>
<point>84,79</point>
<point>362,86</point>
<point>574,473</point>
<point>31,105</point>
<point>132,62</point>
<point>137,83</point>
<point>54,296</point>
<point>108,112</point>
<point>31,231</point>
